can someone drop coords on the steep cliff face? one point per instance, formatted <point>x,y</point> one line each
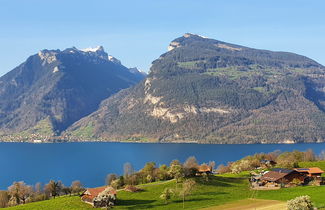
<point>53,89</point>
<point>209,91</point>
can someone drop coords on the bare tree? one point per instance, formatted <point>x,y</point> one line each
<point>76,187</point>
<point>188,186</point>
<point>128,170</point>
<point>190,166</point>
<point>19,191</point>
<point>110,178</point>
<point>52,188</point>
<point>38,188</point>
<point>309,155</point>
<point>67,190</point>
<point>212,164</point>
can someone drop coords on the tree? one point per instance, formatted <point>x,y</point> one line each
<point>163,172</point>
<point>300,203</point>
<point>289,159</point>
<point>322,155</point>
<point>117,183</point>
<point>190,166</point>
<point>128,170</point>
<point>110,178</point>
<point>166,195</point>
<point>212,164</point>
<point>67,190</point>
<point>4,199</point>
<point>175,162</point>
<point>148,169</point>
<point>53,188</point>
<point>177,172</point>
<point>223,169</point>
<point>76,187</point>
<point>187,188</point>
<point>38,188</point>
<point>19,192</point>
<point>241,165</point>
<point>309,155</point>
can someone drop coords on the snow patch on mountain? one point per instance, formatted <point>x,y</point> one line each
<point>95,49</point>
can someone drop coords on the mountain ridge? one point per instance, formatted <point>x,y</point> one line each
<point>52,89</point>
<point>207,91</point>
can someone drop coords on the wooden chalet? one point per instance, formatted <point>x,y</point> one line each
<point>204,168</point>
<point>310,172</point>
<point>281,176</point>
<point>90,194</point>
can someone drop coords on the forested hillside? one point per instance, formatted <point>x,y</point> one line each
<point>53,89</point>
<point>208,91</point>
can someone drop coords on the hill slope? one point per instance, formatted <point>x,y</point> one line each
<point>208,91</point>
<point>53,89</point>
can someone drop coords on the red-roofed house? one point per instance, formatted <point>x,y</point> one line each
<point>311,172</point>
<point>90,194</point>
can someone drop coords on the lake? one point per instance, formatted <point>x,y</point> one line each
<point>91,162</point>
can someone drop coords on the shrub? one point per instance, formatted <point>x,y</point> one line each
<point>166,195</point>
<point>300,203</point>
<point>296,181</point>
<point>223,169</point>
<point>132,188</point>
<point>117,183</point>
<point>239,166</point>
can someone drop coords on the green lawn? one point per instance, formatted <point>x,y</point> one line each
<point>218,190</point>
<point>317,194</point>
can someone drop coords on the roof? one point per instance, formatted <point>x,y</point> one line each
<point>273,176</point>
<point>204,168</point>
<point>314,170</point>
<point>91,193</point>
<point>282,170</point>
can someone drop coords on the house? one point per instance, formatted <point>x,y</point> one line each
<point>204,168</point>
<point>310,172</point>
<point>281,176</point>
<point>90,194</point>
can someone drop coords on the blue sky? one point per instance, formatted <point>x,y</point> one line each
<point>138,31</point>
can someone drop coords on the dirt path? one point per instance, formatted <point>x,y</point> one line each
<point>251,204</point>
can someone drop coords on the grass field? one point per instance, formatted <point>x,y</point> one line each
<point>63,203</point>
<point>226,190</point>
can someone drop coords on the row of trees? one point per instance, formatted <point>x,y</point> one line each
<point>151,173</point>
<point>21,193</point>
<point>281,159</point>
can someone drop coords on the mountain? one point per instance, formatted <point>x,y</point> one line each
<point>208,91</point>
<point>53,89</point>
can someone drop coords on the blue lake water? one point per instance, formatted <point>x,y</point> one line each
<point>91,162</point>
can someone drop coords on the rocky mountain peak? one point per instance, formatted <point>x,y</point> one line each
<point>114,60</point>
